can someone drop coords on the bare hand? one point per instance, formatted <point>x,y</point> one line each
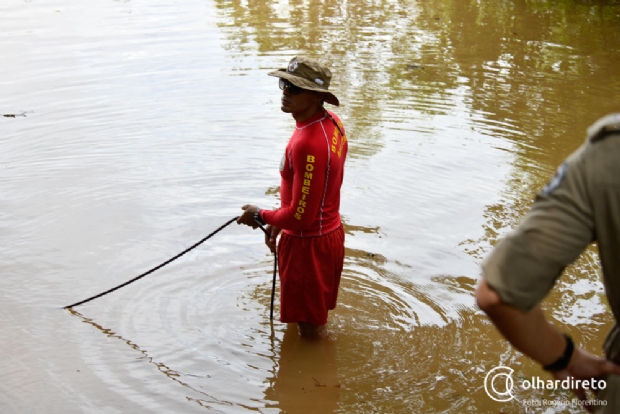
<point>271,237</point>
<point>585,366</point>
<point>247,217</point>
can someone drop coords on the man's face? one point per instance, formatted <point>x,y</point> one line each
<point>298,101</point>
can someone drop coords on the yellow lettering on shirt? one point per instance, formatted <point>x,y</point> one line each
<point>305,190</point>
<point>335,140</point>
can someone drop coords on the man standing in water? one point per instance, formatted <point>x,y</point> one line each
<point>580,204</point>
<point>311,248</point>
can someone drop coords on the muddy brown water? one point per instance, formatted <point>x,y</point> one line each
<point>132,129</point>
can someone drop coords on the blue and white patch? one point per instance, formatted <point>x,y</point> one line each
<point>556,180</point>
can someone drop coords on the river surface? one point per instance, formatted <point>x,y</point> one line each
<point>130,130</point>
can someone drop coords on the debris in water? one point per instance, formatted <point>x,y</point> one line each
<point>13,115</point>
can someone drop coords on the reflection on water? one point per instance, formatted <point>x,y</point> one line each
<point>140,127</point>
<point>170,373</point>
<point>307,376</point>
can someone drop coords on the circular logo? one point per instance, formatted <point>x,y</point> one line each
<point>498,384</point>
<point>292,66</point>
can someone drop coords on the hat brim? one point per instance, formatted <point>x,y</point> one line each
<point>302,83</point>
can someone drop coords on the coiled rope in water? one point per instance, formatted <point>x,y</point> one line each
<point>273,285</point>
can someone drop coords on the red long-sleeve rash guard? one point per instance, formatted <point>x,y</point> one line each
<point>312,171</point>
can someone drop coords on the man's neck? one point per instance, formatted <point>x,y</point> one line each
<point>301,117</point>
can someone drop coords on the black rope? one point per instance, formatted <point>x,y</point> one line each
<point>176,257</point>
<point>275,270</point>
<point>273,283</point>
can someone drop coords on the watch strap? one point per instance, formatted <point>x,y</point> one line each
<point>563,361</point>
<point>258,219</point>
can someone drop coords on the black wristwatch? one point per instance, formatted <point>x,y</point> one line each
<point>562,362</point>
<point>258,219</point>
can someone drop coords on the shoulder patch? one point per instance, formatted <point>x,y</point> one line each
<point>556,180</point>
<point>603,127</point>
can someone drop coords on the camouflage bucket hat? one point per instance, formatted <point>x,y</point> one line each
<point>308,74</point>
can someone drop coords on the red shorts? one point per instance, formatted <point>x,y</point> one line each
<point>310,269</point>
